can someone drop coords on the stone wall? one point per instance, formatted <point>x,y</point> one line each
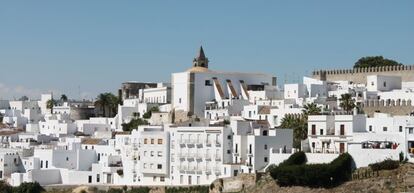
<point>398,107</point>
<point>235,184</point>
<point>359,75</point>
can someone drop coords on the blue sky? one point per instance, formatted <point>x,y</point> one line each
<point>61,45</point>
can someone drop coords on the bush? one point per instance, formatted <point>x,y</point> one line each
<point>5,187</point>
<point>191,189</point>
<point>387,164</point>
<point>293,172</point>
<point>120,172</point>
<point>133,124</point>
<point>148,114</point>
<point>298,158</point>
<point>28,187</point>
<point>139,190</point>
<point>114,190</point>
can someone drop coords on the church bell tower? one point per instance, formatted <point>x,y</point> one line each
<point>200,60</point>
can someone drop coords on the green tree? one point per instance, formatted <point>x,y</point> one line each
<point>311,109</point>
<point>50,104</point>
<point>300,128</point>
<point>375,61</point>
<point>347,103</point>
<point>133,124</point>
<point>108,102</point>
<point>63,98</point>
<point>148,114</point>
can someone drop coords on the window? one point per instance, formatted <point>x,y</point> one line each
<point>228,136</point>
<point>313,129</point>
<point>67,158</point>
<point>410,130</point>
<point>159,141</point>
<point>342,129</point>
<point>370,128</point>
<point>47,164</point>
<point>89,179</point>
<point>162,179</point>
<point>384,129</point>
<point>265,147</point>
<point>154,178</point>
<point>401,128</point>
<point>208,83</point>
<point>145,141</point>
<point>152,141</point>
<point>372,83</point>
<point>385,84</point>
<point>265,159</point>
<point>152,154</point>
<point>179,100</point>
<point>97,178</point>
<point>228,151</point>
<point>160,154</point>
<point>321,131</point>
<point>159,166</point>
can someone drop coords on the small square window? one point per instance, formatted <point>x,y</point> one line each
<point>208,83</point>
<point>159,166</point>
<point>401,129</point>
<point>384,128</point>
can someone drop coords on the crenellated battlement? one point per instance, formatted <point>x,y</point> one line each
<point>363,70</point>
<point>359,75</point>
<point>387,103</point>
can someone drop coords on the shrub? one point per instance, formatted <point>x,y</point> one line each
<point>293,172</point>
<point>28,187</point>
<point>191,189</point>
<point>114,190</point>
<point>139,190</point>
<point>120,172</point>
<point>387,164</point>
<point>5,187</point>
<point>298,158</point>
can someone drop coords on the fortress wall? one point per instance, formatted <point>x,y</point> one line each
<point>398,107</point>
<point>359,75</point>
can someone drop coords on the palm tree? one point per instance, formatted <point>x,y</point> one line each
<point>299,126</point>
<point>107,101</point>
<point>347,103</point>
<point>102,101</point>
<point>63,98</point>
<point>49,104</point>
<point>311,109</point>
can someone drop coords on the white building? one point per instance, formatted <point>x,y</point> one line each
<point>193,88</point>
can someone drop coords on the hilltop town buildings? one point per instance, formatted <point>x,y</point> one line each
<point>205,125</point>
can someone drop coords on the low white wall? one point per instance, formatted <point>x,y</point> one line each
<point>364,157</point>
<point>313,158</point>
<point>319,158</point>
<point>46,177</point>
